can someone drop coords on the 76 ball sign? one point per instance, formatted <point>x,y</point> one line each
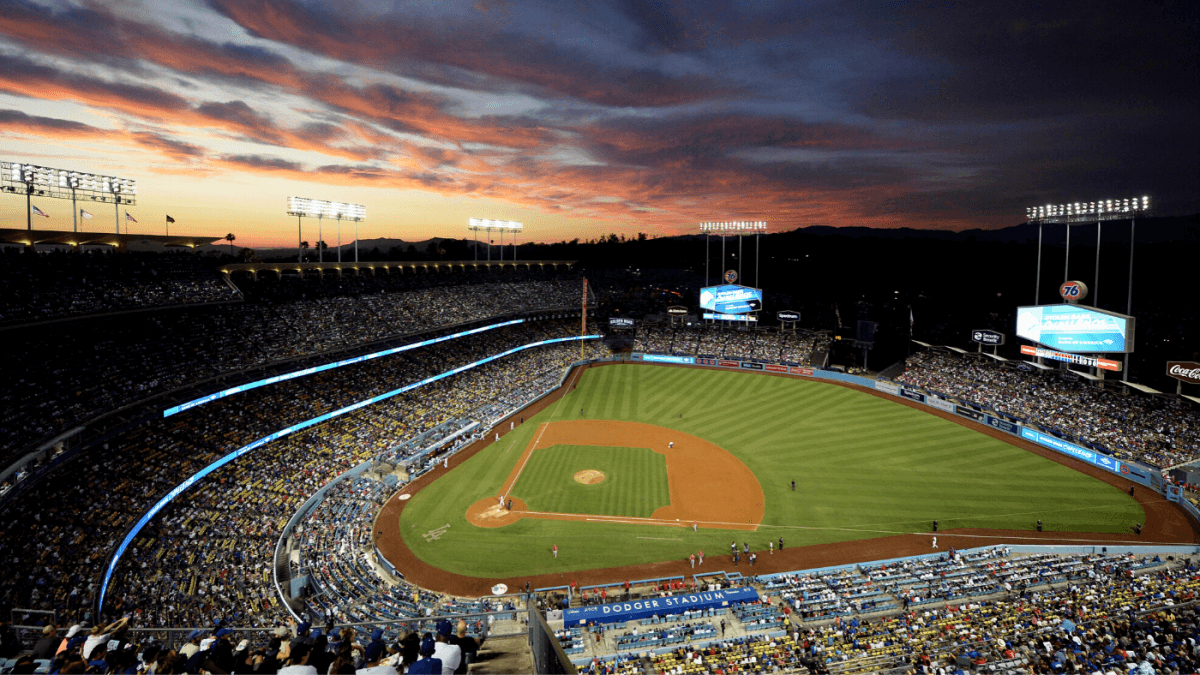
<point>987,337</point>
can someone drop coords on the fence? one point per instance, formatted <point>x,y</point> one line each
<point>548,654</point>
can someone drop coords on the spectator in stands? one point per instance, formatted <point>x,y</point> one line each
<point>467,644</point>
<point>428,663</point>
<point>297,661</point>
<point>48,645</point>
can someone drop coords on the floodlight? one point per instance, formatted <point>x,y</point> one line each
<point>1089,212</point>
<point>319,208</point>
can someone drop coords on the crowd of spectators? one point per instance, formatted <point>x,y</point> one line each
<point>58,284</point>
<point>212,545</point>
<point>766,345</point>
<point>1155,430</point>
<point>70,373</point>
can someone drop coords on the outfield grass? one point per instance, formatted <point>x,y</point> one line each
<point>864,467</point>
<point>635,482</point>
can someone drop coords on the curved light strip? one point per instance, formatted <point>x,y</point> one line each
<point>337,364</point>
<point>194,478</point>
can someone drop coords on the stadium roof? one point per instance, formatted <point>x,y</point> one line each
<point>450,265</point>
<point>1041,366</point>
<point>956,349</point>
<point>66,237</point>
<point>1140,387</point>
<point>994,356</point>
<point>1193,399</point>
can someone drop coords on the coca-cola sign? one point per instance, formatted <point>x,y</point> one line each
<point>1188,371</point>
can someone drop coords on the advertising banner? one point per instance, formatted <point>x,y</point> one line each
<point>807,372</point>
<point>787,315</point>
<point>913,395</point>
<point>750,365</point>
<point>1104,364</point>
<point>663,358</point>
<point>774,368</point>
<point>887,387</point>
<point>707,362</point>
<point>636,356</point>
<point>727,364</point>
<point>939,403</point>
<point>730,299</point>
<point>987,337</point>
<point>1002,425</point>
<point>1072,450</point>
<point>620,322</point>
<point>1188,371</point>
<point>1072,328</point>
<point>711,316</point>
<point>639,609</point>
<point>677,310</point>
<point>970,413</point>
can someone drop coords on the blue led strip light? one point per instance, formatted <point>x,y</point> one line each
<point>337,364</point>
<point>194,478</point>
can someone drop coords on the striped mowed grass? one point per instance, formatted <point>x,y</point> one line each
<point>864,467</point>
<point>635,481</point>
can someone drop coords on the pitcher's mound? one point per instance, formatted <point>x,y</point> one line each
<point>589,477</point>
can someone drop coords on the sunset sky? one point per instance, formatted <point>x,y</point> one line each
<point>582,118</point>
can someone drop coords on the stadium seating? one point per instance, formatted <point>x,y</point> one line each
<point>1156,431</point>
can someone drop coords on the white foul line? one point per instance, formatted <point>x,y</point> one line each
<point>535,444</point>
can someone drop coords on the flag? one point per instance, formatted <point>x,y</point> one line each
<point>837,314</point>
<point>85,215</point>
<point>170,219</point>
<point>129,218</point>
<point>38,212</point>
<point>910,321</point>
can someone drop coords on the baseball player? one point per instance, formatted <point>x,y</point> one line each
<point>692,558</point>
<point>693,526</point>
<point>935,542</point>
<point>671,444</point>
<point>555,549</point>
<point>771,547</point>
<point>700,553</point>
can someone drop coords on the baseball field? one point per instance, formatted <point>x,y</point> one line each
<point>639,464</point>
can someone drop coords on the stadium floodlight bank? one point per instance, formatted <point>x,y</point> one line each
<point>734,227</point>
<point>303,207</point>
<point>1089,212</point>
<point>501,226</point>
<point>43,181</point>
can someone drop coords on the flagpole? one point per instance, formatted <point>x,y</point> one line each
<point>167,225</point>
<point>74,211</point>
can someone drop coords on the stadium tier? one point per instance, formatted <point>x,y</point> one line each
<point>269,518</point>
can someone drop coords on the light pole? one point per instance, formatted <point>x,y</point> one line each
<point>303,206</point>
<point>482,224</point>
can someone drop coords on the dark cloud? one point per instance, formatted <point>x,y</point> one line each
<point>21,74</point>
<point>168,146</point>
<point>18,120</point>
<point>262,163</point>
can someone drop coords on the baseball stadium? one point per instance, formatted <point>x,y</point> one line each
<point>559,491</point>
<point>620,337</point>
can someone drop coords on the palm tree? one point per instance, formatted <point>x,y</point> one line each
<point>303,250</point>
<point>229,238</point>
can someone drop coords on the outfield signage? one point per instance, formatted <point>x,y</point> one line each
<point>970,414</point>
<point>987,337</point>
<point>774,368</point>
<point>620,322</point>
<point>750,365</point>
<point>1072,328</point>
<point>787,315</point>
<point>707,362</point>
<point>727,364</point>
<point>1090,362</point>
<point>1187,371</point>
<point>640,609</point>
<point>676,310</point>
<point>887,387</point>
<point>1002,425</point>
<point>913,395</point>
<point>664,358</point>
<point>939,403</point>
<point>717,316</point>
<point>807,372</point>
<point>730,299</point>
<point>1070,449</point>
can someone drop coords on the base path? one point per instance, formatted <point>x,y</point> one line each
<point>1166,523</point>
<point>707,485</point>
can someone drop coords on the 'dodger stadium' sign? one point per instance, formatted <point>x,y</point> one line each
<point>640,609</point>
